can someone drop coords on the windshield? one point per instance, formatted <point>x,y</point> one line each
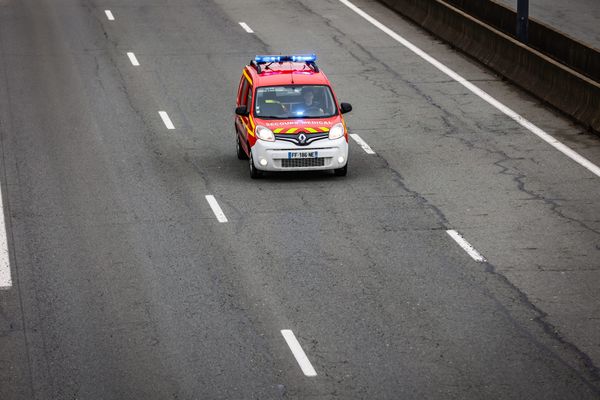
<point>296,101</point>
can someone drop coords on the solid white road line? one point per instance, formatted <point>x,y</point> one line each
<point>5,278</point>
<point>133,59</point>
<point>483,95</point>
<point>109,15</point>
<point>297,351</point>
<point>362,143</point>
<point>246,27</point>
<point>166,119</point>
<point>216,208</point>
<point>465,245</point>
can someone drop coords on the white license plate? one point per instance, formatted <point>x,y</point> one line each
<point>303,154</point>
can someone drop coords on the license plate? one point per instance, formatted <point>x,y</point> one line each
<point>303,154</point>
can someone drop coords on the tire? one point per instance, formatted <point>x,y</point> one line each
<point>255,173</point>
<point>241,154</point>
<point>341,171</point>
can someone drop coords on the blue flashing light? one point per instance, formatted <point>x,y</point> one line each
<point>289,58</point>
<point>267,59</point>
<point>304,58</point>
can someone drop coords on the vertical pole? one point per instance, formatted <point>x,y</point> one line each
<point>523,20</point>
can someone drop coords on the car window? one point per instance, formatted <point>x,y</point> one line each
<point>249,97</point>
<point>294,101</point>
<point>243,92</point>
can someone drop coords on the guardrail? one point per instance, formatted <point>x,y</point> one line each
<point>558,84</point>
<point>558,45</point>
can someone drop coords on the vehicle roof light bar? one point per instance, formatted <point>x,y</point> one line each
<point>307,58</point>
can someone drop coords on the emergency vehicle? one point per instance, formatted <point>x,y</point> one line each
<point>288,118</point>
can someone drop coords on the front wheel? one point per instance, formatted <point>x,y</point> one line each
<point>341,171</point>
<point>241,154</point>
<point>254,172</point>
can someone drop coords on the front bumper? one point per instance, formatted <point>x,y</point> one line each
<point>276,155</point>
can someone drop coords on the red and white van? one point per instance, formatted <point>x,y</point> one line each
<point>288,117</point>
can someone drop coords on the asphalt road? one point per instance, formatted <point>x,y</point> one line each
<point>126,286</point>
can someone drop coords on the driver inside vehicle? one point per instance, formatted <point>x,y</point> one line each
<point>310,105</point>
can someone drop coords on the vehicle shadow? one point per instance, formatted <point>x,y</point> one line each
<point>311,176</point>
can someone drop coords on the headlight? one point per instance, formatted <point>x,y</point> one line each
<point>336,131</point>
<point>265,134</point>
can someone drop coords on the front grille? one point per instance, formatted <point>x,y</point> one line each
<point>308,138</point>
<point>302,162</point>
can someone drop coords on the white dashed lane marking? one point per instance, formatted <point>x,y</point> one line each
<point>298,353</point>
<point>216,208</point>
<point>133,59</point>
<point>246,27</point>
<point>362,143</point>
<point>109,15</point>
<point>166,120</point>
<point>465,245</point>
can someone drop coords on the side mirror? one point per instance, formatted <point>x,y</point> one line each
<point>243,111</point>
<point>345,107</point>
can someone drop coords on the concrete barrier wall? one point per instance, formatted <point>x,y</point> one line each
<point>569,91</point>
<point>574,54</point>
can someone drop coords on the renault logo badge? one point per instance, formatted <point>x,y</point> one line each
<point>302,138</point>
